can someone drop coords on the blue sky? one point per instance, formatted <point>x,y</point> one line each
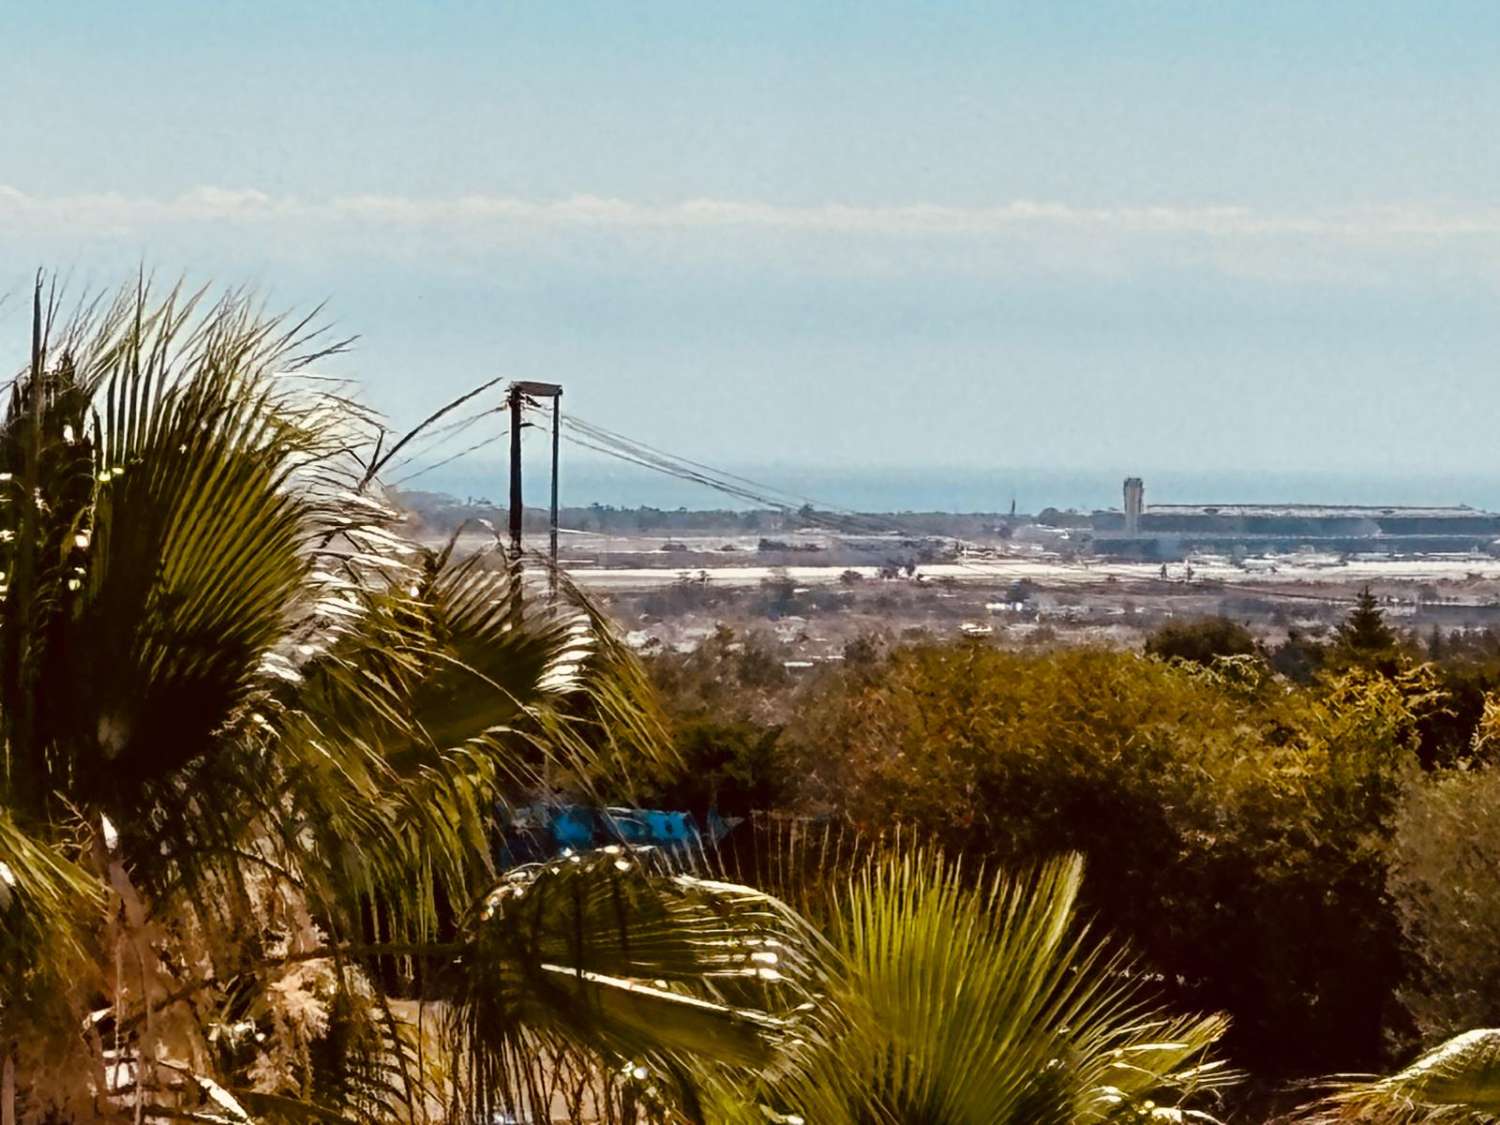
<point>1108,236</point>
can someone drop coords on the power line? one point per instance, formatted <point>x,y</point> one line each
<point>617,445</point>
<point>449,460</point>
<point>445,433</point>
<point>807,514</point>
<point>639,453</point>
<point>602,432</point>
<point>691,477</point>
<point>733,484</point>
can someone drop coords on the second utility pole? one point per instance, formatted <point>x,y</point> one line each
<point>556,437</point>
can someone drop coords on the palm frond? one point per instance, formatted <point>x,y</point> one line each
<point>162,547</point>
<point>1459,1080</point>
<point>457,693</point>
<point>48,903</point>
<point>959,997</point>
<point>611,951</point>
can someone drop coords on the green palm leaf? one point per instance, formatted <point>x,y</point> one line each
<point>611,950</point>
<point>1459,1080</point>
<point>455,694</point>
<point>960,997</point>
<point>48,903</point>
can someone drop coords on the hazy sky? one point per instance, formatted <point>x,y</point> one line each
<point>1115,236</point>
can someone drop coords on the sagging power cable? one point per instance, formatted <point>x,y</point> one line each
<point>442,435</point>
<point>600,439</point>
<point>478,445</point>
<point>632,451</point>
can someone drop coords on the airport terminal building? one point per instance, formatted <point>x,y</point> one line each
<point>1172,531</point>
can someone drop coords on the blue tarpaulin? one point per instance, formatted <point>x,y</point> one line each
<point>535,832</point>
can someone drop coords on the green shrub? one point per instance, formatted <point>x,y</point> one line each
<point>1201,641</point>
<point>1445,882</point>
<point>1233,823</point>
<point>733,767</point>
<point>725,702</point>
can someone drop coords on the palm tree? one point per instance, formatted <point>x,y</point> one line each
<point>253,740</point>
<point>953,996</point>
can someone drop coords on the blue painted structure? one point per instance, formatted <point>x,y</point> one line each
<point>536,832</point>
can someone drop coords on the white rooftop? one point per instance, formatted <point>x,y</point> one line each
<point>1314,511</point>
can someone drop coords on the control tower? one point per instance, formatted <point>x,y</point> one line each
<point>1135,504</point>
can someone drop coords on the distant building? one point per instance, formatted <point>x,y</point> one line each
<point>1135,504</point>
<point>1171,531</point>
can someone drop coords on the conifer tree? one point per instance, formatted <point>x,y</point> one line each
<point>1365,630</point>
<point>1364,640</point>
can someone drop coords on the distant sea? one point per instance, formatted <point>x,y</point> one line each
<point>966,489</point>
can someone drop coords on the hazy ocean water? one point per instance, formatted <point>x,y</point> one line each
<point>964,489</point>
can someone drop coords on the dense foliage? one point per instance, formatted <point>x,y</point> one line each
<point>1202,641</point>
<point>1308,853</point>
<point>1231,825</point>
<point>726,699</point>
<point>1445,858</point>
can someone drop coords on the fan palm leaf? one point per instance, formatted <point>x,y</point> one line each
<point>661,970</point>
<point>958,997</point>
<point>46,902</point>
<point>1458,1080</point>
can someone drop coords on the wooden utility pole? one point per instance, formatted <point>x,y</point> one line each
<point>516,399</point>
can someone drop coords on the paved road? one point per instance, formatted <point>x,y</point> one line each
<point>1276,573</point>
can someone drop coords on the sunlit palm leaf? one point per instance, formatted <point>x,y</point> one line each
<point>48,904</point>
<point>614,952</point>
<point>460,693</point>
<point>1458,1080</point>
<point>154,589</point>
<point>959,997</point>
